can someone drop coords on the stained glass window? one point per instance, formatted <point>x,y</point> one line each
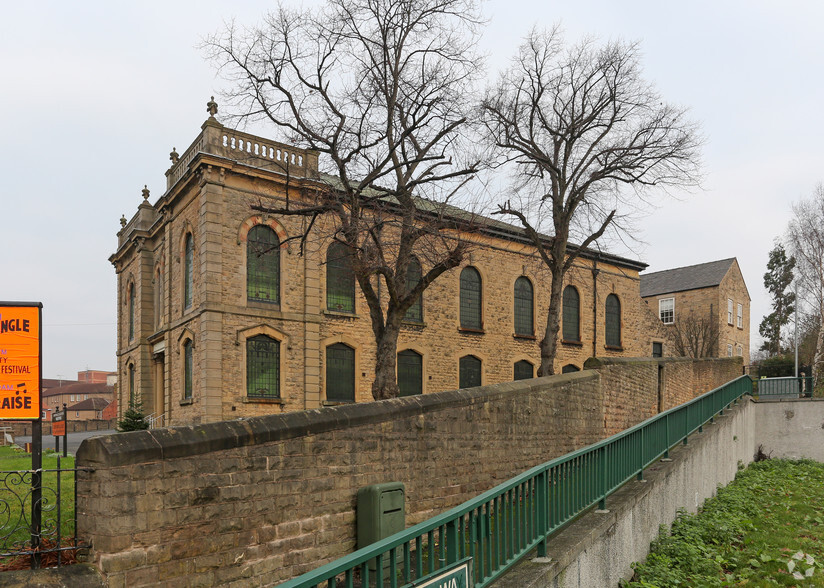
<point>613,321</point>
<point>410,372</point>
<point>263,265</point>
<point>572,309</point>
<point>469,372</point>
<point>340,373</point>
<point>523,307</point>
<point>524,370</point>
<point>471,299</point>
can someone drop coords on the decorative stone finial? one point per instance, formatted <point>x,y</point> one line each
<point>211,107</point>
<point>145,192</point>
<point>123,221</point>
<point>174,156</point>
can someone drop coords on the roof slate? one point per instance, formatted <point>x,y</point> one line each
<point>692,277</point>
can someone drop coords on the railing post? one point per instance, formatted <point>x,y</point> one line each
<point>451,541</point>
<point>602,503</point>
<point>543,507</point>
<point>667,433</point>
<point>640,475</point>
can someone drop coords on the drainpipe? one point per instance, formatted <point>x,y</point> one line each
<point>595,272</point>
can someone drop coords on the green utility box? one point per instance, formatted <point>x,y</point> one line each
<point>381,512</point>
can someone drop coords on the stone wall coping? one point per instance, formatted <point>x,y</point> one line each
<point>595,362</point>
<point>152,445</point>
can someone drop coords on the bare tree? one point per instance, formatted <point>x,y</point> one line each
<point>579,127</point>
<point>805,236</point>
<point>382,89</point>
<point>696,336</point>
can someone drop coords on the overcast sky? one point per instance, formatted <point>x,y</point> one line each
<point>95,95</point>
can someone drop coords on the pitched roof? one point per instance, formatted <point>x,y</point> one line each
<point>692,277</point>
<point>90,404</point>
<point>79,388</point>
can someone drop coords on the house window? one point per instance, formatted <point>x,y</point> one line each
<point>410,373</point>
<point>262,367</point>
<point>524,370</point>
<point>658,349</point>
<point>739,350</point>
<point>71,398</point>
<point>523,308</point>
<point>740,316</point>
<point>413,278</point>
<point>188,271</point>
<point>729,350</point>
<point>263,265</point>
<point>570,368</point>
<point>571,311</point>
<point>340,373</point>
<point>613,321</point>
<point>131,312</point>
<point>471,299</point>
<point>340,279</point>
<point>666,310</point>
<point>469,372</point>
<point>729,311</point>
<point>187,369</point>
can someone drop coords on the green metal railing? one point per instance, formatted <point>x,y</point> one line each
<point>790,386</point>
<point>502,525</point>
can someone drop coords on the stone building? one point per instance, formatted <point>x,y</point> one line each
<point>705,308</point>
<point>221,316</point>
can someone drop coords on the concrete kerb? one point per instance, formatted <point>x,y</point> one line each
<point>566,547</point>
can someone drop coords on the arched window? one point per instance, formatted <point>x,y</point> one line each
<point>523,307</point>
<point>572,310</point>
<point>469,375</point>
<point>613,321</point>
<point>188,271</point>
<point>340,373</point>
<point>187,369</point>
<point>158,299</point>
<point>262,367</point>
<point>471,299</point>
<point>131,385</point>
<point>340,279</point>
<point>413,278</point>
<point>262,265</point>
<point>524,370</point>
<point>570,368</point>
<point>410,372</point>
<point>131,312</point>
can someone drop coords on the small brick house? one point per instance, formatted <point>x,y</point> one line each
<point>705,308</point>
<point>221,316</point>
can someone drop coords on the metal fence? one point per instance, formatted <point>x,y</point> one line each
<point>38,517</point>
<point>502,525</point>
<point>784,387</point>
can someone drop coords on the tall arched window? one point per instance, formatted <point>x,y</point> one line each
<point>340,279</point>
<point>410,372</point>
<point>524,370</point>
<point>471,299</point>
<point>572,310</point>
<point>188,271</point>
<point>413,278</point>
<point>262,367</point>
<point>263,265</point>
<point>523,307</point>
<point>158,299</point>
<point>469,371</point>
<point>340,373</point>
<point>613,321</point>
<point>187,369</point>
<point>131,312</point>
<point>131,385</point>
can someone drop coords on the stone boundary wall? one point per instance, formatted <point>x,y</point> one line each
<point>791,428</point>
<point>23,428</point>
<point>599,548</point>
<point>259,500</point>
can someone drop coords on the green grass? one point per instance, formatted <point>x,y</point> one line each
<point>764,529</point>
<point>15,497</point>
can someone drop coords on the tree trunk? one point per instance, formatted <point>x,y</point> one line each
<point>549,344</point>
<point>386,355</point>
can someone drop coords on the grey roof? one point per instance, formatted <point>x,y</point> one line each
<point>692,277</point>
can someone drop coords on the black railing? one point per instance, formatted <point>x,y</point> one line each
<point>33,529</point>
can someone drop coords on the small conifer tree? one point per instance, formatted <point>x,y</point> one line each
<point>133,419</point>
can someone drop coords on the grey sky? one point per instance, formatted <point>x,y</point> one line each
<point>95,95</point>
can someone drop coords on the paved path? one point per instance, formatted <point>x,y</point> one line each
<point>74,440</point>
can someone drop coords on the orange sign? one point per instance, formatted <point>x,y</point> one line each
<point>20,361</point>
<point>58,428</point>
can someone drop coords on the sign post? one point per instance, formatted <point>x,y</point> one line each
<point>20,378</point>
<point>59,428</point>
